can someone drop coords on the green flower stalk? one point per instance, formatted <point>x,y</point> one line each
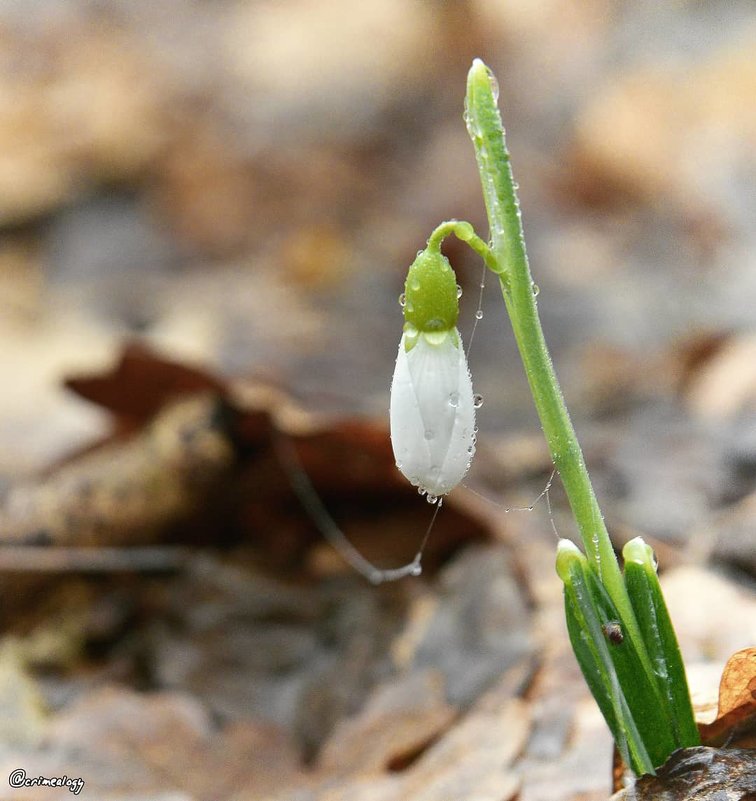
<point>508,247</point>
<point>618,624</point>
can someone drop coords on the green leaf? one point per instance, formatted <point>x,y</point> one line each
<point>659,637</point>
<point>613,669</point>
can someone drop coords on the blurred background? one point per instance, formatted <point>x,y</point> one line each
<point>246,182</point>
<point>242,185</point>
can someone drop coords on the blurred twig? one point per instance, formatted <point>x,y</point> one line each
<point>52,559</point>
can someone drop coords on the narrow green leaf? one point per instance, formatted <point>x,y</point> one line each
<point>659,637</point>
<point>627,696</point>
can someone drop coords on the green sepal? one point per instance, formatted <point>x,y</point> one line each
<point>430,293</point>
<point>659,637</point>
<point>625,693</point>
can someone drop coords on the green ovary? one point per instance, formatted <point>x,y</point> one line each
<point>431,295</point>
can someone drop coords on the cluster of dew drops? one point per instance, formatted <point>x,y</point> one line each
<point>453,402</point>
<point>429,496</point>
<point>404,303</point>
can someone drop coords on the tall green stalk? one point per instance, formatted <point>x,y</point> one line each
<point>508,246</point>
<point>618,624</point>
<point>619,627</point>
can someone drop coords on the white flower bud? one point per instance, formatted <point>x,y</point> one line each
<point>432,410</point>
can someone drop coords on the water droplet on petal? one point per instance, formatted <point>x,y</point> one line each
<point>454,400</point>
<point>421,491</point>
<point>471,448</point>
<point>479,314</point>
<point>536,290</point>
<point>429,433</point>
<point>431,498</point>
<point>459,291</point>
<point>415,285</point>
<point>410,306</point>
<point>477,401</point>
<point>402,300</point>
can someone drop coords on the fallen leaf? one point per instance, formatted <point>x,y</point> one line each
<point>142,382</point>
<point>399,721</point>
<point>736,716</point>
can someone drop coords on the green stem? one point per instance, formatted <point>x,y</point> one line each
<point>464,232</point>
<point>508,246</point>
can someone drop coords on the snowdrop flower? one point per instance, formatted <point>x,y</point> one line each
<point>432,401</point>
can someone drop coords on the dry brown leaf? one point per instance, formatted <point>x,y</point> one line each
<point>736,716</point>
<point>399,721</point>
<point>122,741</point>
<point>194,451</point>
<point>125,492</point>
<point>142,382</point>
<point>472,760</point>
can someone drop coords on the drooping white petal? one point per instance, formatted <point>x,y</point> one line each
<point>433,412</point>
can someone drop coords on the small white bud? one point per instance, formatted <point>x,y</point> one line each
<point>432,411</point>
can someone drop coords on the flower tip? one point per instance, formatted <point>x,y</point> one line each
<point>478,71</point>
<point>568,554</point>
<point>638,551</point>
<point>566,545</point>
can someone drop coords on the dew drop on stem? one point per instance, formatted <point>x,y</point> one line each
<point>494,84</point>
